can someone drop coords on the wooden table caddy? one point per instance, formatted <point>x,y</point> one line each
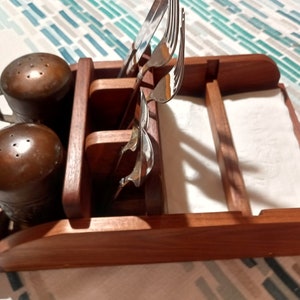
<point>137,229</point>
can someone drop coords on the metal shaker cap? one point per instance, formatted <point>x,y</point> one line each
<point>37,77</point>
<point>29,153</point>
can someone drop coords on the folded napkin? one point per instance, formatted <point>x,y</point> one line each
<point>267,149</point>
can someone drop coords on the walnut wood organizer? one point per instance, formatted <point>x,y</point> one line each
<point>137,229</point>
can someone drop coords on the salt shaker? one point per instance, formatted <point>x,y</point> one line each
<point>35,86</point>
<point>32,162</point>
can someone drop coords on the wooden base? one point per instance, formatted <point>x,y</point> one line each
<point>165,238</point>
<point>136,229</point>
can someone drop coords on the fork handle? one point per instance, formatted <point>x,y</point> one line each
<point>122,183</point>
<point>126,116</point>
<point>123,71</point>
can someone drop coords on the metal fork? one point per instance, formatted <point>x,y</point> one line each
<point>144,35</point>
<point>166,47</point>
<point>161,55</point>
<point>145,158</point>
<point>143,166</point>
<point>141,118</point>
<point>164,91</point>
<point>169,85</point>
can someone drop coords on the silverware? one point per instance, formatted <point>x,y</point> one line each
<point>141,118</point>
<point>164,91</point>
<point>145,158</point>
<point>166,47</point>
<point>143,166</point>
<point>169,85</point>
<point>138,134</point>
<point>161,55</point>
<point>144,36</point>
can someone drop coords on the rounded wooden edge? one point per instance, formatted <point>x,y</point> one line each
<point>107,137</point>
<point>142,223</point>
<point>98,65</point>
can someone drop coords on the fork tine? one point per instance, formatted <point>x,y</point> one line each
<point>161,55</point>
<point>169,85</point>
<point>179,69</point>
<point>168,40</point>
<point>173,33</point>
<point>169,29</point>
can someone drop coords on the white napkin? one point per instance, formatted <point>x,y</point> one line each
<point>268,153</point>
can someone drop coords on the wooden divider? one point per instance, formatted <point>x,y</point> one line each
<point>232,178</point>
<point>77,189</point>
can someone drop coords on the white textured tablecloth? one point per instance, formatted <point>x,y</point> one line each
<point>103,30</point>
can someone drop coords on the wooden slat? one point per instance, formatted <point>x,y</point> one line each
<point>108,100</point>
<point>232,178</point>
<point>76,191</point>
<point>103,149</point>
<point>292,113</point>
<point>167,238</point>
